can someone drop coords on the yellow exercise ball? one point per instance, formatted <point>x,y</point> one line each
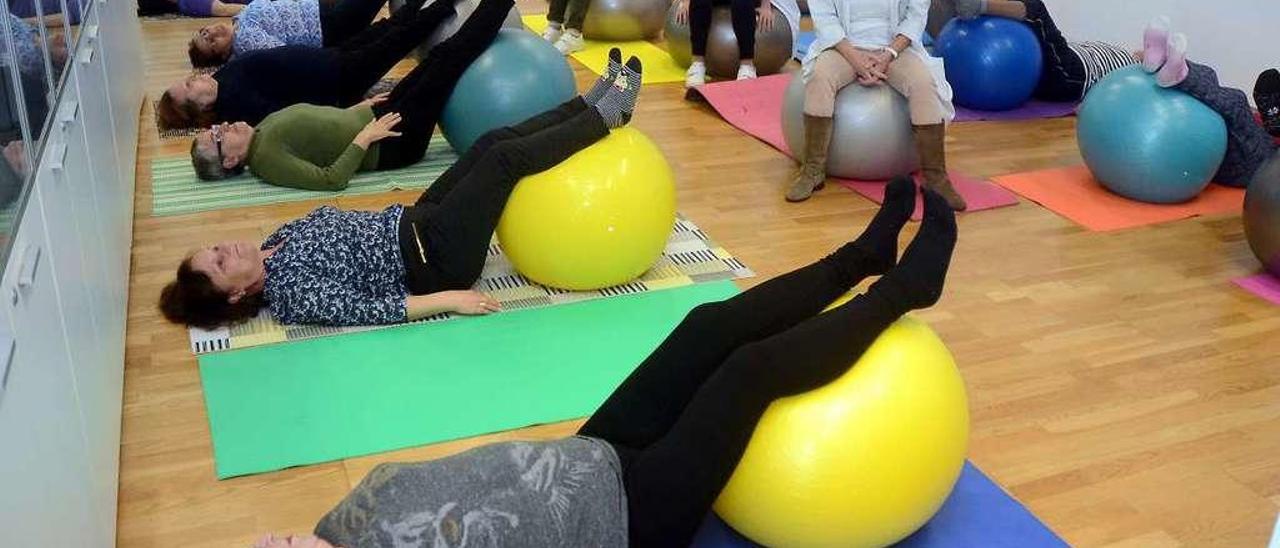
<point>863,461</point>
<point>599,219</point>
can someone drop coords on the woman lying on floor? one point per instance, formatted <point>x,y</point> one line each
<point>266,24</point>
<point>645,468</point>
<point>337,267</point>
<point>321,148</point>
<point>258,83</point>
<point>1071,68</point>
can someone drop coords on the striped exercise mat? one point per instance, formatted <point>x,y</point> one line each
<point>175,189</point>
<point>690,257</point>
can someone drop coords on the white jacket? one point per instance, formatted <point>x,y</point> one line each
<point>832,17</point>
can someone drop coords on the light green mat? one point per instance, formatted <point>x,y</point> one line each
<point>297,403</point>
<point>175,190</point>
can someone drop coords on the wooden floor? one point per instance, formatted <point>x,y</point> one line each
<point>1120,385</point>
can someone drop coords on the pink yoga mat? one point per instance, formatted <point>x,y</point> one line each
<point>755,107</point>
<point>1263,285</point>
<point>1032,110</point>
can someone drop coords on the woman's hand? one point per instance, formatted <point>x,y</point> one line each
<point>682,12</point>
<point>864,67</point>
<point>377,130</point>
<point>881,60</point>
<point>379,98</point>
<point>470,302</point>
<point>764,16</point>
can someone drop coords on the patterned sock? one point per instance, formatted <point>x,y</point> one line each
<point>596,93</point>
<point>620,100</point>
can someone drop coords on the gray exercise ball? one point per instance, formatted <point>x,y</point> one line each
<point>623,20</point>
<point>453,23</point>
<point>871,136</point>
<point>773,47</point>
<point>1262,214</point>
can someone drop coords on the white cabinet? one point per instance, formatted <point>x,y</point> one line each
<point>63,298</point>
<point>87,291</point>
<point>44,470</point>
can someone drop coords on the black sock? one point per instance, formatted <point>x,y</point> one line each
<point>876,249</point>
<point>918,279</point>
<point>1266,93</point>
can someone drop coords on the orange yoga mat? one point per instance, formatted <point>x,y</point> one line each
<point>1072,192</point>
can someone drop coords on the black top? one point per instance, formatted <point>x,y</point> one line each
<point>255,84</point>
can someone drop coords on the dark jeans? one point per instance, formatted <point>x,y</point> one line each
<point>575,10</point>
<point>682,420</point>
<point>346,18</point>
<point>1063,77</point>
<point>743,13</point>
<point>1248,144</point>
<point>420,97</point>
<point>367,56</point>
<point>455,218</point>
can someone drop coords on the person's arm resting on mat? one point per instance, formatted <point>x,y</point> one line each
<point>462,302</point>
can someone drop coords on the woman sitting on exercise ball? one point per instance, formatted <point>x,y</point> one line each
<point>266,24</point>
<point>336,267</point>
<point>1071,68</point>
<point>258,83</point>
<point>873,43</point>
<point>648,464</point>
<point>746,16</point>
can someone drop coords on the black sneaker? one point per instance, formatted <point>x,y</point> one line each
<point>1266,94</point>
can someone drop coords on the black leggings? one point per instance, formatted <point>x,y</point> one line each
<point>346,18</point>
<point>420,97</point>
<point>455,217</point>
<point>743,13</point>
<point>367,56</point>
<point>682,420</point>
<point>1063,77</point>
<point>1248,144</point>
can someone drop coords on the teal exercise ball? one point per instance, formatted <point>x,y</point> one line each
<point>1149,143</point>
<point>518,76</point>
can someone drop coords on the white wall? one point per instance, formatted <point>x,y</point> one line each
<point>1238,38</point>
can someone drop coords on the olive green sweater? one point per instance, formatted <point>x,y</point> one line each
<point>309,147</point>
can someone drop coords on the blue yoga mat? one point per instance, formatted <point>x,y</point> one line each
<point>978,514</point>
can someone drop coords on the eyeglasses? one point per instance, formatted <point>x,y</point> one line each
<point>216,132</point>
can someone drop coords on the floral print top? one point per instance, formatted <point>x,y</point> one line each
<point>273,23</point>
<point>336,267</point>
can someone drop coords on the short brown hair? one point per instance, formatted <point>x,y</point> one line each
<point>174,115</point>
<point>200,59</point>
<point>193,300</point>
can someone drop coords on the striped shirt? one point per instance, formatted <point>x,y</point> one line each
<point>1099,60</point>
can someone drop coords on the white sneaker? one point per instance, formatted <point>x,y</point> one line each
<point>746,72</point>
<point>570,42</point>
<point>552,33</point>
<point>696,76</point>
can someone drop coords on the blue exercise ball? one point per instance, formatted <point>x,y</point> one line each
<point>518,76</point>
<point>992,63</point>
<point>1149,143</point>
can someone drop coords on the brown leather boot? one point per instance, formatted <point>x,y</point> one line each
<point>812,175</point>
<point>931,145</point>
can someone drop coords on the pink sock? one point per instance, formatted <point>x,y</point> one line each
<point>1175,67</point>
<point>1155,44</point>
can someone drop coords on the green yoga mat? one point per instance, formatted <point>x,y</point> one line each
<point>318,400</point>
<point>175,189</point>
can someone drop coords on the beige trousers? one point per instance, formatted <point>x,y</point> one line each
<point>907,74</point>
